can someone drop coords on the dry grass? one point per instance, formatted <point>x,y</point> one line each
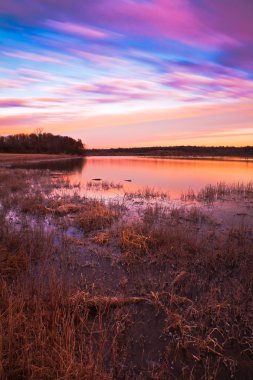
<point>220,191</point>
<point>184,310</point>
<point>97,302</point>
<point>135,242</point>
<point>42,339</point>
<point>103,185</point>
<point>21,157</point>
<point>45,331</point>
<point>207,300</point>
<point>147,193</point>
<point>101,238</point>
<point>65,209</point>
<point>96,215</point>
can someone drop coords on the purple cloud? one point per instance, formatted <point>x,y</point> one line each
<point>77,57</point>
<point>215,25</point>
<point>80,30</point>
<point>111,91</point>
<point>29,102</point>
<point>6,103</point>
<point>215,22</point>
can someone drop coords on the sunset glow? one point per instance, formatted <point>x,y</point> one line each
<point>129,72</point>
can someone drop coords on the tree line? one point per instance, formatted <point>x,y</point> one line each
<point>40,143</point>
<point>179,151</point>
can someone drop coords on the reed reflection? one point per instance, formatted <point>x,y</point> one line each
<point>69,165</point>
<point>173,175</point>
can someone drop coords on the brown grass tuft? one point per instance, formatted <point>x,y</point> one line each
<point>95,215</point>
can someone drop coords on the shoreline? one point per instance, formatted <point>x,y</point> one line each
<point>8,160</point>
<point>193,158</point>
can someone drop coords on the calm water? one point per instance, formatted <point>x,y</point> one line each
<point>173,175</point>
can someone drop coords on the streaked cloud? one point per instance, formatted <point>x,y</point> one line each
<point>9,103</point>
<point>149,71</point>
<point>30,56</point>
<point>80,30</point>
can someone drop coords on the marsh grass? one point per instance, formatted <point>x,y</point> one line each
<point>47,330</point>
<point>101,238</point>
<point>207,321</point>
<point>147,193</point>
<point>185,305</point>
<point>95,215</point>
<point>103,185</point>
<point>220,191</point>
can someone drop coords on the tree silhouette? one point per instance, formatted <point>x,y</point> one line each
<point>39,142</point>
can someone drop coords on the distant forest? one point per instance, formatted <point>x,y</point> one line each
<point>178,151</point>
<point>41,143</point>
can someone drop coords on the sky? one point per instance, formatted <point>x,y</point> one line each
<point>128,72</point>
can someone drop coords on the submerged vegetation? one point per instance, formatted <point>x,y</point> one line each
<point>91,290</point>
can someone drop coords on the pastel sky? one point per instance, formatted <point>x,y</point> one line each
<point>128,72</point>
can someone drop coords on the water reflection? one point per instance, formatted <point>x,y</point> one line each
<point>120,174</point>
<point>173,175</point>
<point>71,165</point>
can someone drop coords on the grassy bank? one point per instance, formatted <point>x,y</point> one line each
<point>91,290</point>
<point>19,158</point>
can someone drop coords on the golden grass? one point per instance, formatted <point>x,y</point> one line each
<point>95,215</point>
<point>65,209</point>
<point>134,242</point>
<point>184,310</point>
<point>22,157</point>
<point>45,332</point>
<point>104,301</point>
<point>101,238</point>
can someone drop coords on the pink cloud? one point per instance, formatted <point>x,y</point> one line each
<point>6,103</point>
<point>114,90</point>
<point>10,120</point>
<point>43,102</point>
<point>80,30</point>
<point>99,59</point>
<point>209,88</point>
<point>33,74</point>
<point>216,22</point>
<point>219,23</point>
<point>161,18</point>
<point>30,56</point>
<point>17,83</point>
<point>232,18</point>
<point>174,19</point>
<point>49,100</point>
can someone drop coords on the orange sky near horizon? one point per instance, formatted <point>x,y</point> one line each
<point>128,73</point>
<point>190,125</point>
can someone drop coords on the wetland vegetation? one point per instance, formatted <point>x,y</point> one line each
<point>141,286</point>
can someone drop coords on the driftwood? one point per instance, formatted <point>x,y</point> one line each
<point>68,208</point>
<point>105,301</point>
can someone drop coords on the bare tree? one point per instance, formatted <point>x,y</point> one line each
<point>39,131</point>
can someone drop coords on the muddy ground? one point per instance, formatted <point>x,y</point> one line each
<point>144,287</point>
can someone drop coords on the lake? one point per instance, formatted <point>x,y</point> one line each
<point>164,174</point>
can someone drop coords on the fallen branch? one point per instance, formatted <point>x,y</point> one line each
<point>105,301</point>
